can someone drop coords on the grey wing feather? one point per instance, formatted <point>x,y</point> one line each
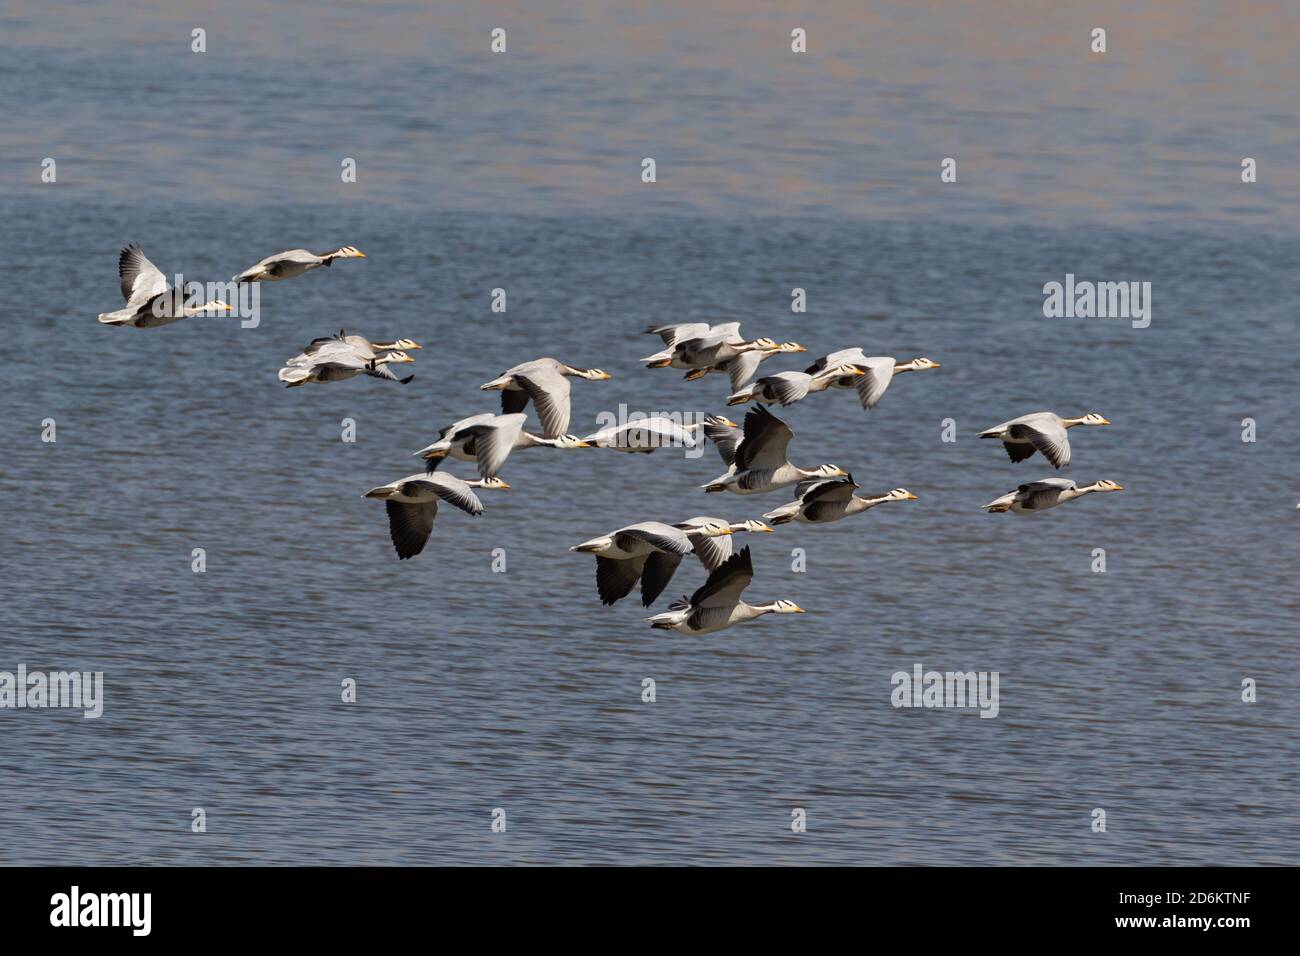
<point>660,536</point>
<point>726,582</point>
<point>549,391</point>
<point>766,440</point>
<point>724,437</point>
<point>409,526</point>
<point>141,279</point>
<point>655,575</point>
<point>1048,437</point>
<point>742,368</point>
<point>712,552</point>
<point>871,386</point>
<point>451,490</point>
<point>615,578</point>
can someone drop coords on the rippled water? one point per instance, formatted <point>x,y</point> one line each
<point>519,690</point>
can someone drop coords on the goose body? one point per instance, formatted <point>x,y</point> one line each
<point>758,457</point>
<point>698,347</point>
<point>648,551</point>
<point>1043,432</point>
<point>333,360</point>
<point>150,300</point>
<point>717,604</point>
<point>294,262</point>
<point>487,440</point>
<point>1047,493</point>
<point>786,388</point>
<point>743,367</point>
<point>645,435</point>
<point>821,502</point>
<point>878,372</point>
<point>545,382</point>
<point>412,504</point>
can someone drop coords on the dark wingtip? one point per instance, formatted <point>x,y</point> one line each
<point>407,379</point>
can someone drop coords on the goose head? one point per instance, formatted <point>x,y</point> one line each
<point>393,357</point>
<point>590,374</point>
<point>785,607</point>
<point>406,345</point>
<point>494,483</point>
<point>712,529</point>
<point>901,494</point>
<point>829,471</point>
<point>790,347</point>
<point>920,364</point>
<point>350,252</point>
<point>568,441</point>
<point>1092,418</point>
<point>754,525</point>
<point>1107,485</point>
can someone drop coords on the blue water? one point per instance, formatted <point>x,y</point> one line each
<point>518,690</point>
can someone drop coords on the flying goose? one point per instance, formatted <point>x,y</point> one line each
<point>717,604</point>
<point>489,439</point>
<point>645,435</point>
<point>880,371</point>
<point>743,367</point>
<point>688,348</point>
<point>1047,493</point>
<point>332,360</point>
<point>412,504</point>
<point>546,382</point>
<point>649,550</point>
<point>150,300</point>
<point>786,388</point>
<point>712,549</point>
<point>1041,431</point>
<point>821,502</point>
<point>287,265</point>
<point>759,462</point>
<point>364,345</point>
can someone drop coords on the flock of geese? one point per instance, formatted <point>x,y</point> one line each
<point>755,453</point>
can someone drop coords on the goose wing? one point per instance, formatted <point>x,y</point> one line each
<point>453,430</point>
<point>381,370</point>
<point>447,487</point>
<point>1047,435</point>
<point>711,551</point>
<point>615,577</point>
<point>725,437</point>
<point>549,391</point>
<point>409,525</point>
<point>141,279</point>
<point>672,334</point>
<point>660,536</point>
<point>655,575</point>
<point>726,582</point>
<point>829,491</point>
<point>493,441</point>
<point>765,442</point>
<point>786,387</point>
<point>742,368</point>
<point>727,331</point>
<point>842,357</point>
<point>871,386</point>
<point>1037,494</point>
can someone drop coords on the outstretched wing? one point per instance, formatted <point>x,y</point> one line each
<point>447,487</point>
<point>766,439</point>
<point>871,386</point>
<point>141,279</point>
<point>786,387</point>
<point>409,526</point>
<point>549,391</point>
<point>725,583</point>
<point>658,571</point>
<point>615,577</point>
<point>661,537</point>
<point>724,436</point>
<point>1047,436</point>
<point>742,368</point>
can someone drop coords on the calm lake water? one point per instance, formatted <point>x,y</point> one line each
<point>518,690</point>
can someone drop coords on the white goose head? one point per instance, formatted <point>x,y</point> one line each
<point>828,471</point>
<point>393,357</point>
<point>754,525</point>
<point>901,494</point>
<point>1107,485</point>
<point>785,607</point>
